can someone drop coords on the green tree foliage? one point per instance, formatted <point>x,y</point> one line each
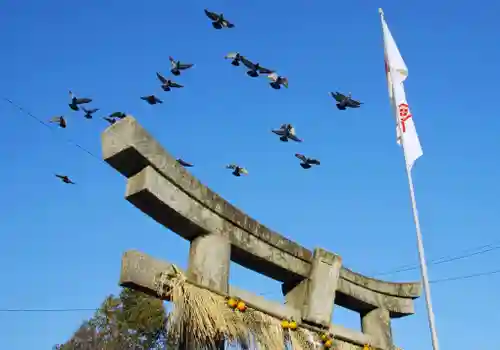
<point>130,321</point>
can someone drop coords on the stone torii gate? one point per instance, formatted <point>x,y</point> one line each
<point>312,282</point>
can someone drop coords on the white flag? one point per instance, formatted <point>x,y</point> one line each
<point>397,72</point>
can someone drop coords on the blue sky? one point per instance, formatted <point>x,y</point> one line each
<point>60,246</point>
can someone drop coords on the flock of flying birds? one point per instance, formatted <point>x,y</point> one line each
<point>285,131</point>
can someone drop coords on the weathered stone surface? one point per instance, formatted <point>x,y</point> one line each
<point>321,287</point>
<point>361,299</point>
<point>219,232</point>
<point>377,324</point>
<point>400,289</point>
<point>139,271</point>
<point>353,339</point>
<point>129,148</point>
<point>295,293</point>
<point>166,203</point>
<point>273,308</point>
<point>209,261</point>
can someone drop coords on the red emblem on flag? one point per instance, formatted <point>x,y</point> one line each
<point>404,115</point>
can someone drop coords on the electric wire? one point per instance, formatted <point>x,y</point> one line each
<point>408,267</point>
<point>403,268</point>
<point>442,280</point>
<point>48,310</point>
<point>70,141</point>
<point>480,250</point>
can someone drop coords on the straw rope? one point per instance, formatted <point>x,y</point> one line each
<point>202,319</point>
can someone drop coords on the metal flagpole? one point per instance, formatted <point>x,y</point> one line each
<point>421,251</point>
<point>420,244</point>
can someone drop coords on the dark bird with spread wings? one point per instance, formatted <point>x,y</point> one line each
<point>235,57</point>
<point>65,179</point>
<point>237,170</point>
<point>75,101</point>
<point>254,68</point>
<point>277,81</point>
<point>306,162</point>
<point>184,163</point>
<point>117,115</point>
<point>167,84</point>
<point>218,20</point>
<point>114,117</point>
<point>177,66</point>
<point>344,102</point>
<point>59,120</point>
<point>151,99</point>
<point>286,131</point>
<point>89,112</point>
<point>110,120</point>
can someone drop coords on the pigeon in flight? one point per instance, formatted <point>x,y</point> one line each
<point>237,170</point>
<point>65,179</point>
<point>110,120</point>
<point>344,102</point>
<point>254,68</point>
<point>114,117</point>
<point>117,115</point>
<point>286,131</point>
<point>306,162</point>
<point>167,84</point>
<point>151,99</point>
<point>277,81</point>
<point>77,101</point>
<point>235,58</point>
<point>177,66</point>
<point>59,120</point>
<point>89,112</point>
<point>184,163</point>
<point>218,20</point>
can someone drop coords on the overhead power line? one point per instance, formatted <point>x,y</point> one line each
<point>76,144</point>
<point>47,310</point>
<point>445,259</point>
<point>464,277</point>
<point>408,267</point>
<point>442,280</point>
